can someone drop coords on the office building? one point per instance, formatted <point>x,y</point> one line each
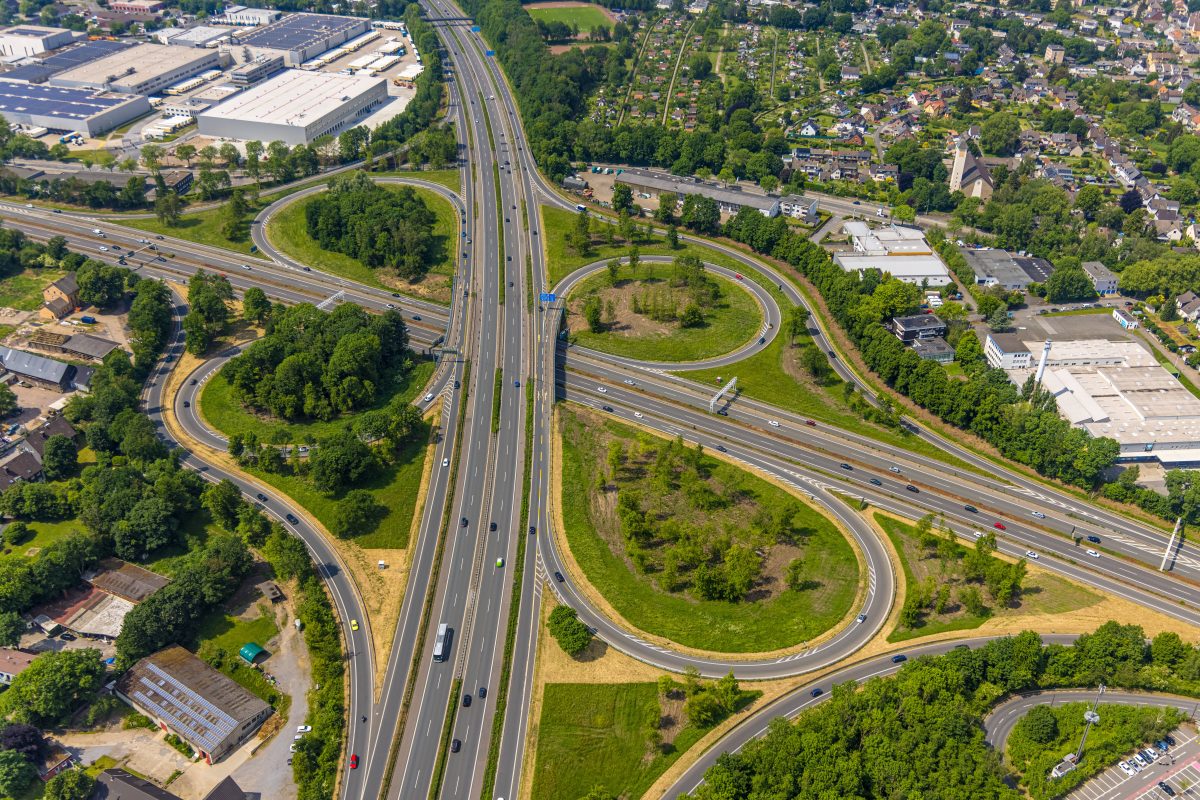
<point>256,71</point>
<point>301,37</point>
<point>1006,351</point>
<point>145,69</point>
<point>30,40</point>
<point>1103,279</point>
<point>85,111</point>
<point>894,249</point>
<point>918,326</point>
<point>295,107</point>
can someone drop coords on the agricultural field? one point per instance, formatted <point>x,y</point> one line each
<point>584,17</point>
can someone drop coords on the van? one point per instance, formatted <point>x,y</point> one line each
<point>98,232</point>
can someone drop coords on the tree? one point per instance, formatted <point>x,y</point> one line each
<point>60,458</point>
<point>571,634</point>
<point>11,626</point>
<point>701,214</point>
<point>622,199</point>
<point>673,236</point>
<point>73,784</point>
<point>340,460</point>
<point>580,237</point>
<point>16,773</point>
<point>8,400</point>
<point>592,312</point>
<point>1040,725</point>
<point>52,685</point>
<point>255,305</point>
<point>152,157</point>
<point>1089,200</point>
<point>223,501</point>
<point>355,514</point>
<point>187,152</point>
<point>24,739</point>
<point>1000,133</point>
<point>1069,285</point>
<point>167,207</point>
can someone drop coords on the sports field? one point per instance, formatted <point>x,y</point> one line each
<point>583,16</point>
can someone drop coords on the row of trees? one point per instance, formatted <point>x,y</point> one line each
<point>208,311</point>
<point>919,734</point>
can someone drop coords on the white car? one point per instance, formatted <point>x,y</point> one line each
<point>601,390</point>
<point>143,241</point>
<point>429,397</point>
<point>629,382</point>
<point>1038,514</point>
<point>292,747</point>
<point>298,736</point>
<point>637,414</point>
<point>303,728</point>
<point>773,423</point>
<point>445,462</point>
<point>894,469</point>
<point>103,249</point>
<point>1128,770</point>
<point>1093,554</point>
<point>1031,554</point>
<point>977,534</point>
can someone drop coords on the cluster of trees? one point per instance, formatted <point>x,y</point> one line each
<point>919,734</point>
<point>52,686</point>
<point>1182,498</point>
<point>378,226</point>
<point>1022,425</point>
<point>708,703</point>
<point>316,365</point>
<point>208,310</point>
<point>567,629</point>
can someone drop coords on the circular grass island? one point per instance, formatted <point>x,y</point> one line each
<point>693,549</point>
<point>288,231</point>
<point>660,311</point>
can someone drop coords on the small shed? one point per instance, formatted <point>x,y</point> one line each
<point>251,652</point>
<point>270,590</point>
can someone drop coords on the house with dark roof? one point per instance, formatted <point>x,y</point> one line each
<point>20,466</point>
<point>184,695</point>
<point>35,441</point>
<point>35,369</point>
<point>1189,306</point>
<point>117,784</point>
<point>61,297</point>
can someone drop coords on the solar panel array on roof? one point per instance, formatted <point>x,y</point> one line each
<point>207,722</point>
<point>297,30</point>
<point>77,104</point>
<point>65,59</point>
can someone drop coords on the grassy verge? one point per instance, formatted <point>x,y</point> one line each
<point>514,610</point>
<point>497,388</point>
<point>597,735</point>
<point>23,291</point>
<point>1041,593</point>
<point>789,617</point>
<point>444,177</point>
<point>734,320</point>
<point>288,230</point>
<point>223,411</point>
<point>439,769</point>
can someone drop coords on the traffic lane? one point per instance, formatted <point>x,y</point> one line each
<point>1000,721</point>
<point>849,638</point>
<point>800,699</point>
<point>877,455</point>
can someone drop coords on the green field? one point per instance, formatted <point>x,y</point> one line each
<point>23,291</point>
<point>220,638</point>
<point>226,413</point>
<point>1041,593</point>
<point>734,321</point>
<point>45,534</point>
<point>786,618</point>
<point>288,230</point>
<point>584,17</point>
<point>596,735</point>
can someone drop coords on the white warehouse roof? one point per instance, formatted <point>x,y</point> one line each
<point>294,97</point>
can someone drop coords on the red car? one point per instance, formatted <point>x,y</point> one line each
<point>739,275</point>
<point>354,761</point>
<point>999,525</point>
<point>810,422</point>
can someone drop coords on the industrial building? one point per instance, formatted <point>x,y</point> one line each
<point>186,696</point>
<point>197,36</point>
<point>651,184</point>
<point>136,6</point>
<point>30,40</point>
<point>896,250</point>
<point>257,70</point>
<point>241,15</point>
<point>1001,268</point>
<point>295,107</point>
<point>1118,390</point>
<point>83,110</point>
<point>300,37</point>
<point>82,53</point>
<point>146,69</point>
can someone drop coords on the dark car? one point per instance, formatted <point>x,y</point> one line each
<point>558,576</point>
<point>532,530</point>
<point>66,637</point>
<point>491,526</point>
<point>816,692</point>
<point>482,692</point>
<point>846,466</point>
<point>913,489</point>
<point>395,294</point>
<point>1166,789</point>
<point>721,449</point>
<point>972,509</point>
<point>462,522</point>
<point>292,519</point>
<point>899,659</point>
<point>876,482</point>
<point>261,497</point>
<point>810,422</point>
<point>455,746</point>
<point>609,409</point>
<point>1094,539</point>
<point>416,317</point>
<point>193,382</point>
<point>187,404</point>
<point>467,700</point>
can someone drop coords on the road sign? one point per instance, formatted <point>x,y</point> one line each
<point>546,297</point>
<point>489,52</point>
<point>474,29</point>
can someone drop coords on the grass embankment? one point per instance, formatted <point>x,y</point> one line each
<point>1041,593</point>
<point>696,517</point>
<point>23,291</point>
<point>728,324</point>
<point>288,231</point>
<point>224,412</point>
<point>45,534</point>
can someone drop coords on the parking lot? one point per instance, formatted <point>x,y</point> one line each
<point>1178,768</point>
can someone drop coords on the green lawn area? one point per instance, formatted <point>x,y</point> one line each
<point>446,177</point>
<point>596,735</point>
<point>732,322</point>
<point>1041,593</point>
<point>225,413</point>
<point>45,534</point>
<point>221,636</point>
<point>202,227</point>
<point>288,231</point>
<point>786,617</point>
<point>583,17</point>
<point>23,291</point>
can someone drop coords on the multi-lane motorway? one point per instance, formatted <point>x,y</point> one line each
<point>503,368</point>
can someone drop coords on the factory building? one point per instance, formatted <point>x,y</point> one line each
<point>257,70</point>
<point>197,36</point>
<point>58,109</point>
<point>136,6</point>
<point>30,40</point>
<point>301,37</point>
<point>295,107</point>
<point>240,15</point>
<point>146,69</point>
<point>82,53</point>
<point>896,250</point>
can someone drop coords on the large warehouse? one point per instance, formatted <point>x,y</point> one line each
<point>65,59</point>
<point>29,40</point>
<point>301,37</point>
<point>145,69</point>
<point>59,109</point>
<point>900,251</point>
<point>295,107</point>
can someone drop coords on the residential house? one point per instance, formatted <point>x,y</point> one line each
<point>809,128</point>
<point>13,663</point>
<point>1188,304</point>
<point>60,298</point>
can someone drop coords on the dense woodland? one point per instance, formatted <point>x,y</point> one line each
<point>918,735</point>
<point>379,226</point>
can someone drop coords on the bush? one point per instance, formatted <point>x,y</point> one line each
<point>571,634</point>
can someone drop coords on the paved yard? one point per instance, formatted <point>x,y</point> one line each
<point>1176,768</point>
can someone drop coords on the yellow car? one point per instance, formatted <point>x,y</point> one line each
<point>353,624</point>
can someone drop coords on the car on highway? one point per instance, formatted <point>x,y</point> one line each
<point>532,530</point>
<point>977,534</point>
<point>1038,514</point>
<point>391,305</point>
<point>558,576</point>
<point>516,384</point>
<point>609,409</point>
<point>103,249</point>
<point>810,422</point>
<point>462,522</point>
<point>455,746</point>
<point>1093,539</point>
<point>395,294</point>
<point>303,728</point>
<point>1032,555</point>
<point>354,761</point>
<point>353,624</point>
<point>816,692</point>
<point>721,449</point>
<point>187,404</point>
<point>846,466</point>
<point>192,382</point>
<point>416,317</point>
<point>972,509</point>
<point>999,526</point>
<point>467,700</point>
<point>262,498</point>
<point>292,519</point>
<point>499,563</point>
<point>445,462</point>
<point>1128,770</point>
<point>875,482</point>
<point>861,618</point>
<point>773,423</point>
<point>601,390</point>
<point>246,267</point>
<point>628,382</point>
<point>1093,553</point>
<point>482,692</point>
<point>429,397</point>
<point>491,526</point>
<point>894,469</point>
<point>638,415</point>
<point>900,658</point>
<point>738,275</point>
<point>912,489</point>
